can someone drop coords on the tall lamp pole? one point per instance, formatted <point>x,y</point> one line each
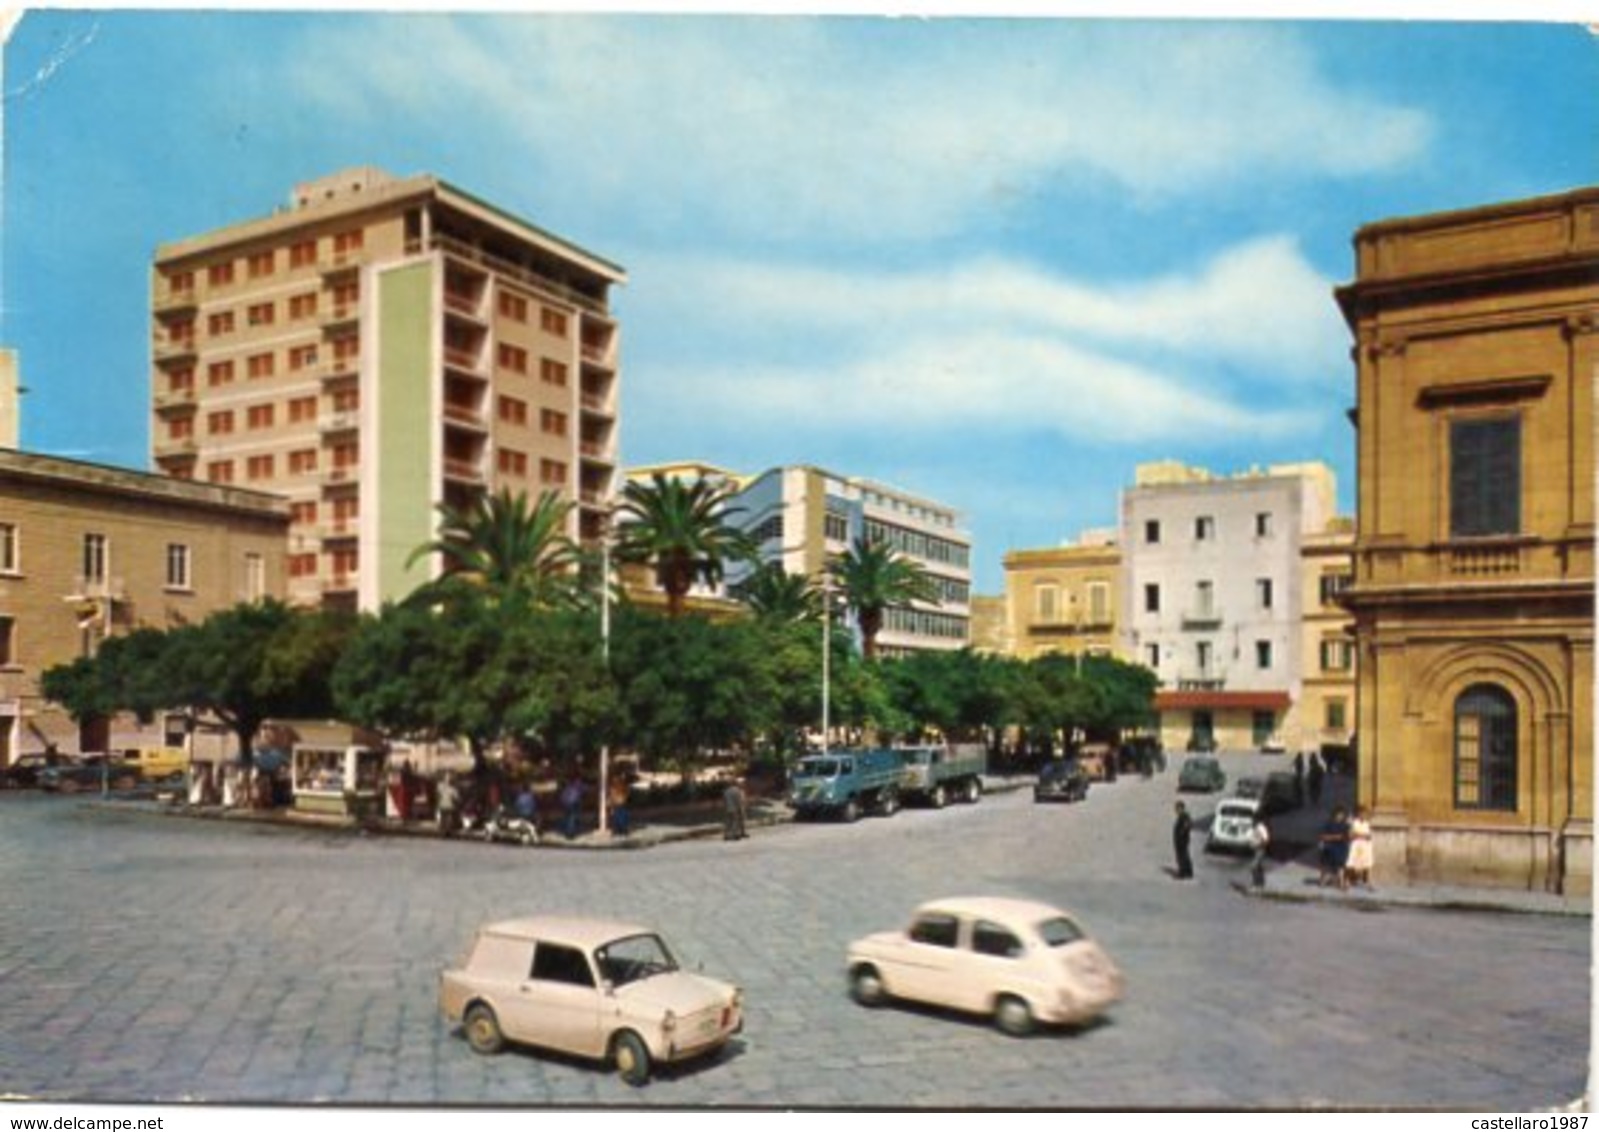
<point>827,650</point>
<point>605,654</point>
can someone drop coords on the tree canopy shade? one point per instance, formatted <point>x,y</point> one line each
<point>874,578</point>
<point>479,668</point>
<point>773,594</point>
<point>503,544</point>
<point>243,665</point>
<point>681,528</point>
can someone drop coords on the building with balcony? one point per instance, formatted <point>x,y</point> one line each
<point>1475,358</point>
<point>1065,599</point>
<point>1212,597</point>
<point>1322,717</point>
<point>803,517</point>
<point>379,347</point>
<point>89,551</point>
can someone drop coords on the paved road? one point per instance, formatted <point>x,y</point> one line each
<point>159,958</point>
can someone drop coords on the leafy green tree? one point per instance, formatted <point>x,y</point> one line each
<point>127,673</point>
<point>255,662</point>
<point>874,578</point>
<point>773,594</point>
<point>962,695</point>
<point>680,527</point>
<point>691,685</point>
<point>503,544</point>
<point>480,669</point>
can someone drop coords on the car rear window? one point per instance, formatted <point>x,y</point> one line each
<point>554,963</point>
<point>1058,931</point>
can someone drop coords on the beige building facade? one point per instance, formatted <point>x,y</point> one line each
<point>1065,599</point>
<point>89,551</point>
<point>379,347</point>
<point>1323,715</point>
<point>1476,353</point>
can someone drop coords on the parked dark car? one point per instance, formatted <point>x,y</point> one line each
<point>25,770</point>
<point>1202,744</point>
<point>1061,780</point>
<point>1278,796</point>
<point>1203,774</point>
<point>89,774</point>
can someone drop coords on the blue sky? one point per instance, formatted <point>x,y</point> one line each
<point>995,262</point>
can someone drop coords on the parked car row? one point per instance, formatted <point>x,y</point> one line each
<point>614,992</point>
<point>70,774</point>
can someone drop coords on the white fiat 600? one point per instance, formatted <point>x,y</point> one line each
<point>1017,961</point>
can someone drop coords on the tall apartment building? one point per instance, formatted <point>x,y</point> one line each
<point>381,346</point>
<point>802,516</point>
<point>1473,595</point>
<point>89,551</point>
<point>1066,599</point>
<point>1213,599</point>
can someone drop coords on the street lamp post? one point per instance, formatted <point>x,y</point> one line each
<point>605,655</point>
<point>827,651</point>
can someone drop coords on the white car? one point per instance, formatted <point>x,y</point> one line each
<point>1232,827</point>
<point>1018,961</point>
<point>593,988</point>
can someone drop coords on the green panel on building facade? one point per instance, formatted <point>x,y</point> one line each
<point>405,436</point>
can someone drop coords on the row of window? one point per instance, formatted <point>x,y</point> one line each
<point>1205,597</point>
<point>918,544</point>
<point>263,264</point>
<point>1205,657</point>
<point>95,558</point>
<point>924,623</point>
<point>513,462</point>
<point>1204,528</point>
<point>344,456</point>
<point>1048,609</point>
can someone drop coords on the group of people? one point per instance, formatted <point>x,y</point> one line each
<point>524,805</point>
<point>1346,850</point>
<point>1345,844</point>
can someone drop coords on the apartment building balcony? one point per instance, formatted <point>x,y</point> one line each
<point>596,451</point>
<point>469,362</point>
<point>173,302</point>
<point>343,262</point>
<point>339,319</point>
<point>339,530</point>
<point>597,402</point>
<point>341,420</point>
<point>1072,627</point>
<point>175,402</point>
<point>184,448</point>
<point>1202,619</point>
<point>342,474</point>
<point>337,370</point>
<point>171,351</point>
<point>459,414</point>
<point>464,471</point>
<point>464,253</point>
<point>338,584</point>
<point>465,307</point>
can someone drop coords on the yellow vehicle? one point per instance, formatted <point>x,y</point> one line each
<point>156,762</point>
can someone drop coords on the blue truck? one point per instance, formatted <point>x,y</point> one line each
<point>847,784</point>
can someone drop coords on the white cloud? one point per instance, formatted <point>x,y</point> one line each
<point>856,129</point>
<point>1258,307</point>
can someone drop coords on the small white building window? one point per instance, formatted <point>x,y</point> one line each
<point>178,575</point>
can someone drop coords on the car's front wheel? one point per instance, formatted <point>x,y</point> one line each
<point>866,986</point>
<point>1013,1016</point>
<point>483,1030</point>
<point>632,1058</point>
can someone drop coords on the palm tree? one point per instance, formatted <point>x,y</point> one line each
<point>773,594</point>
<point>874,578</point>
<point>680,526</point>
<point>502,543</point>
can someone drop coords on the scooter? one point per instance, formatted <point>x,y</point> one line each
<point>503,826</point>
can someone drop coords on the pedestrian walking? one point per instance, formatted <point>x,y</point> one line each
<point>1335,848</point>
<point>1260,843</point>
<point>1299,779</point>
<point>1314,777</point>
<point>1182,829</point>
<point>449,806</point>
<point>617,792</point>
<point>733,813</point>
<point>571,804</point>
<point>1361,857</point>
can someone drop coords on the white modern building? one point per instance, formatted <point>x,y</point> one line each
<point>1213,596</point>
<point>803,516</point>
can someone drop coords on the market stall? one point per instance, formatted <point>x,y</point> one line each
<point>347,781</point>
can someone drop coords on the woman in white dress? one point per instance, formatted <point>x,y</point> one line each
<point>1358,868</point>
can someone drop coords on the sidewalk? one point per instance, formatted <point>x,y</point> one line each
<point>1294,882</point>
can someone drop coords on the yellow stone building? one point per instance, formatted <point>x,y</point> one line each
<point>1323,715</point>
<point>88,551</point>
<point>1064,599</point>
<point>1473,591</point>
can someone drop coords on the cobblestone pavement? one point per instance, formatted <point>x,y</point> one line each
<point>158,958</point>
